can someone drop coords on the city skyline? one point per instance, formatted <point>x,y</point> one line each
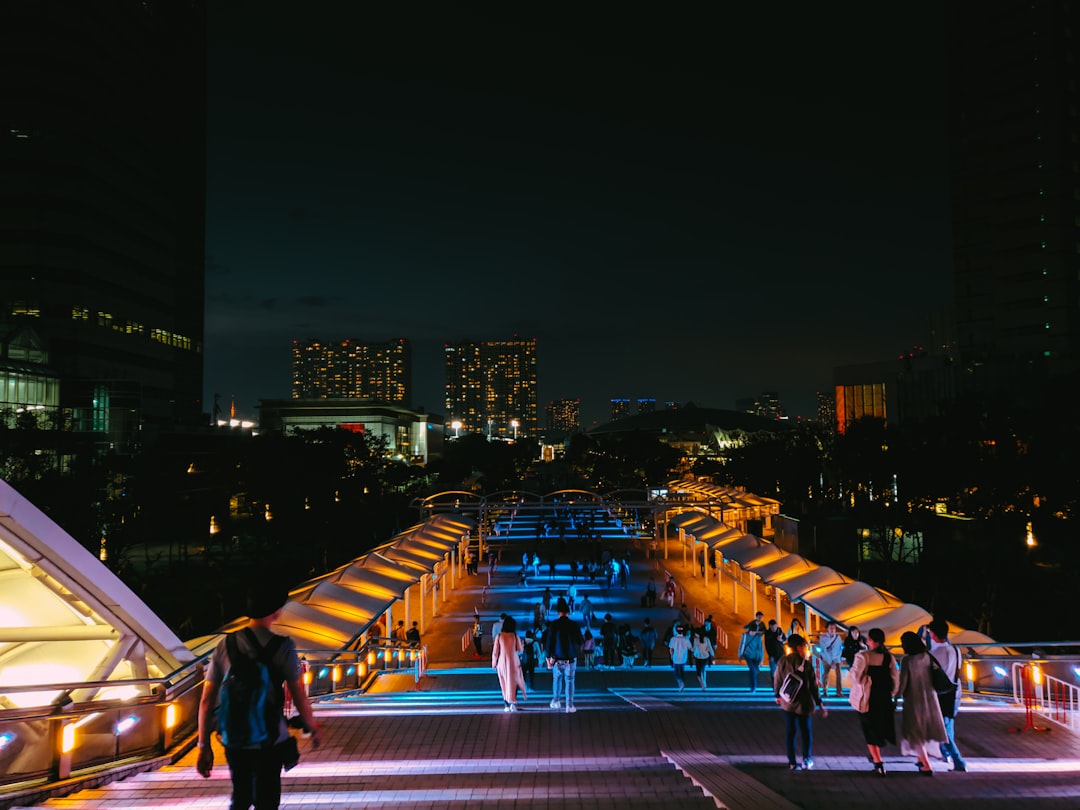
<point>694,207</point>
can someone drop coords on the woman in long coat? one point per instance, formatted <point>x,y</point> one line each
<point>506,651</point>
<point>922,722</point>
<point>874,681</point>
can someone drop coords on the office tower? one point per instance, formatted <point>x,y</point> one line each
<point>1015,151</point>
<point>491,387</point>
<point>102,206</point>
<point>620,409</point>
<point>826,409</point>
<point>766,404</point>
<point>564,415</point>
<point>671,405</point>
<point>353,369</point>
<point>646,405</point>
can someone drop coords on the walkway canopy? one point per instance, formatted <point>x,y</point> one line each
<point>335,610</point>
<point>66,618</point>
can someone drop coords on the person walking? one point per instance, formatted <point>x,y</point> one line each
<point>608,637</point>
<point>951,662</point>
<point>254,767</point>
<point>873,681</point>
<point>588,649</point>
<point>679,646</point>
<point>921,721</point>
<point>797,693</point>
<point>703,652</point>
<point>546,599</point>
<point>586,607</point>
<point>775,638</point>
<point>477,636</point>
<point>648,642</point>
<point>531,658</point>
<point>853,644</point>
<point>412,635</point>
<point>752,649</point>
<point>506,650</point>
<point>563,643</point>
<point>830,654</point>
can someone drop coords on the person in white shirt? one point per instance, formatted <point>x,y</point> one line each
<point>830,655</point>
<point>951,661</point>
<point>680,653</point>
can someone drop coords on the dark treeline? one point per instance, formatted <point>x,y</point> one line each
<point>937,513</point>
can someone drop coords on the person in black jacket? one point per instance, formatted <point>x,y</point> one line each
<point>797,693</point>
<point>563,641</point>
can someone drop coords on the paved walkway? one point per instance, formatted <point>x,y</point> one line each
<point>636,741</point>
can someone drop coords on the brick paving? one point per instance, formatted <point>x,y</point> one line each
<point>444,742</point>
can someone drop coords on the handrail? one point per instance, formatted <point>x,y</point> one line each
<point>158,725</point>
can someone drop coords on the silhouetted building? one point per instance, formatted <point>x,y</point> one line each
<point>102,205</point>
<point>409,435</point>
<point>564,415</point>
<point>353,369</point>
<point>1015,151</point>
<point>491,387</point>
<point>646,405</point>
<point>908,389</point>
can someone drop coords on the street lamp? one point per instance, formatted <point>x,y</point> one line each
<point>456,425</point>
<point>514,423</point>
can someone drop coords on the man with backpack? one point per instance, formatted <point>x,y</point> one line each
<point>243,693</point>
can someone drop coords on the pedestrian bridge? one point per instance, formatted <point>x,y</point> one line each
<point>93,685</point>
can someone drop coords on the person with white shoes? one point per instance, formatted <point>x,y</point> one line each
<point>563,641</point>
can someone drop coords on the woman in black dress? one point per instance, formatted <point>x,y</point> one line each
<point>874,680</point>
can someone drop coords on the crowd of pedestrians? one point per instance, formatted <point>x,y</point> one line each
<point>803,669</point>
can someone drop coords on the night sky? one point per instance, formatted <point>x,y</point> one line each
<point>697,206</point>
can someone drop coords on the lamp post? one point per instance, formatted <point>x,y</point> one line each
<point>456,425</point>
<point>514,423</point>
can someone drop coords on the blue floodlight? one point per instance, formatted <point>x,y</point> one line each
<point>6,739</point>
<point>1000,670</point>
<point>126,724</point>
<point>323,672</point>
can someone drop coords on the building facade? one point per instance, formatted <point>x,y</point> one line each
<point>1015,156</point>
<point>564,415</point>
<point>102,205</point>
<point>491,387</point>
<point>410,436</point>
<point>353,369</point>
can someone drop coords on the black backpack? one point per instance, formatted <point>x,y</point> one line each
<point>252,696</point>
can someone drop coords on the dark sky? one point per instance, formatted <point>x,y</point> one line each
<point>698,204</point>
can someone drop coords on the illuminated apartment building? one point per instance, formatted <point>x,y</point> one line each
<point>352,370</point>
<point>620,408</point>
<point>646,405</point>
<point>491,387</point>
<point>564,415</point>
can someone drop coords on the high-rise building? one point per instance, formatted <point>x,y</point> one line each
<point>102,205</point>
<point>620,408</point>
<point>353,369</point>
<point>564,415</point>
<point>766,404</point>
<point>1014,71</point>
<point>646,405</point>
<point>491,387</point>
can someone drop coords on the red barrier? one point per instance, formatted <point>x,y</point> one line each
<point>1027,688</point>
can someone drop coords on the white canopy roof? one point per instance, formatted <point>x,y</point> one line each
<point>64,616</point>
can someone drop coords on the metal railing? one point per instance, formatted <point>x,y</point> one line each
<point>1046,696</point>
<point>62,746</point>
